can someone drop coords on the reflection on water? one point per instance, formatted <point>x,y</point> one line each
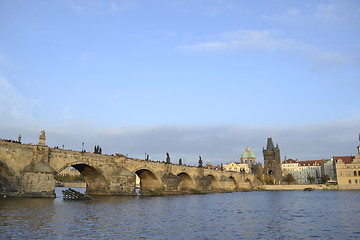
<point>243,215</point>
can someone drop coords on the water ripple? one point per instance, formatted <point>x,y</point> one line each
<point>248,215</point>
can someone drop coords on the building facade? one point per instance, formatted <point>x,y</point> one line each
<point>70,171</point>
<point>303,171</point>
<point>236,167</point>
<point>329,168</point>
<point>348,172</point>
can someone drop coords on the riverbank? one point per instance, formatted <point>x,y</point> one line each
<point>74,184</point>
<point>264,187</point>
<point>299,187</point>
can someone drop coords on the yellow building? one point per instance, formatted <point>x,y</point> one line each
<point>236,167</point>
<point>70,171</point>
<point>348,171</point>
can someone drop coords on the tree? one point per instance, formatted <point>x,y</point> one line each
<point>325,178</point>
<point>258,171</point>
<point>311,179</point>
<point>269,180</point>
<point>289,179</point>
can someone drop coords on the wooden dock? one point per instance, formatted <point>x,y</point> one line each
<point>71,194</point>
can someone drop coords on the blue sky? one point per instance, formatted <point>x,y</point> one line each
<point>187,77</point>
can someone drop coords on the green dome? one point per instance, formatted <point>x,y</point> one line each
<point>248,154</point>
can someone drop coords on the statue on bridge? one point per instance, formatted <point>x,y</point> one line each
<point>42,138</point>
<point>167,158</point>
<point>200,162</point>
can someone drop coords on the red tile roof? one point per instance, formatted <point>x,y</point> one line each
<point>345,159</point>
<point>311,163</point>
<point>291,161</point>
<point>209,166</point>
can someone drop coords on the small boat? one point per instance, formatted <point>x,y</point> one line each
<point>308,189</point>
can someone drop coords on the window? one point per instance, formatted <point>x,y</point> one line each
<point>355,173</point>
<point>356,181</point>
<point>349,181</point>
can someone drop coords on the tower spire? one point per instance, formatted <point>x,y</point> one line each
<point>270,144</point>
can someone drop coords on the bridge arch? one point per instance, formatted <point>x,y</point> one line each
<point>9,182</point>
<point>148,179</point>
<point>233,183</point>
<point>186,182</point>
<point>214,182</point>
<point>95,180</point>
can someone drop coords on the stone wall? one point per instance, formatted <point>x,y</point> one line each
<point>31,170</point>
<point>74,184</point>
<point>37,184</point>
<point>299,187</point>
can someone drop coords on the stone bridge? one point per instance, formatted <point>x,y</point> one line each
<point>28,171</point>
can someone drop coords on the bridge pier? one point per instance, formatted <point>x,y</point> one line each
<point>227,184</point>
<point>171,182</point>
<point>37,180</point>
<point>28,170</point>
<point>122,183</point>
<point>203,183</point>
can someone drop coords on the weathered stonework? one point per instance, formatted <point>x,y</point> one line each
<point>28,170</point>
<point>171,182</point>
<point>37,180</point>
<point>272,163</point>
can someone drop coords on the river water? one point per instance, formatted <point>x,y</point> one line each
<point>240,215</point>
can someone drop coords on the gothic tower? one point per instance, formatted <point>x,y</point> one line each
<point>272,163</point>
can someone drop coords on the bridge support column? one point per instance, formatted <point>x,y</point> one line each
<point>123,183</point>
<point>203,183</point>
<point>171,182</point>
<point>227,183</point>
<point>37,180</point>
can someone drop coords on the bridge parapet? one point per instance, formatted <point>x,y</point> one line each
<point>29,170</point>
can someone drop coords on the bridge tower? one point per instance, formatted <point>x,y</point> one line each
<point>272,163</point>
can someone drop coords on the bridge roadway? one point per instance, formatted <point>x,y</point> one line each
<point>29,170</point>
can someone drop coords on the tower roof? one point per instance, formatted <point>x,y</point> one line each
<point>270,144</point>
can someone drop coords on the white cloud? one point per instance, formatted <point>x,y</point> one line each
<point>122,5</point>
<point>338,11</point>
<point>5,62</point>
<point>328,12</point>
<point>243,39</point>
<point>217,144</point>
<point>265,40</point>
<point>289,14</point>
<point>13,106</point>
<point>102,7</point>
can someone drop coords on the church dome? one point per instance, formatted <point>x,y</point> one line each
<point>248,156</point>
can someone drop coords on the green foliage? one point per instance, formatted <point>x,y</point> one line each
<point>269,180</point>
<point>311,179</point>
<point>289,179</point>
<point>258,171</point>
<point>325,178</point>
<point>69,178</point>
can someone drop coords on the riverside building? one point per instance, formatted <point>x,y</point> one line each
<point>348,171</point>
<point>303,171</point>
